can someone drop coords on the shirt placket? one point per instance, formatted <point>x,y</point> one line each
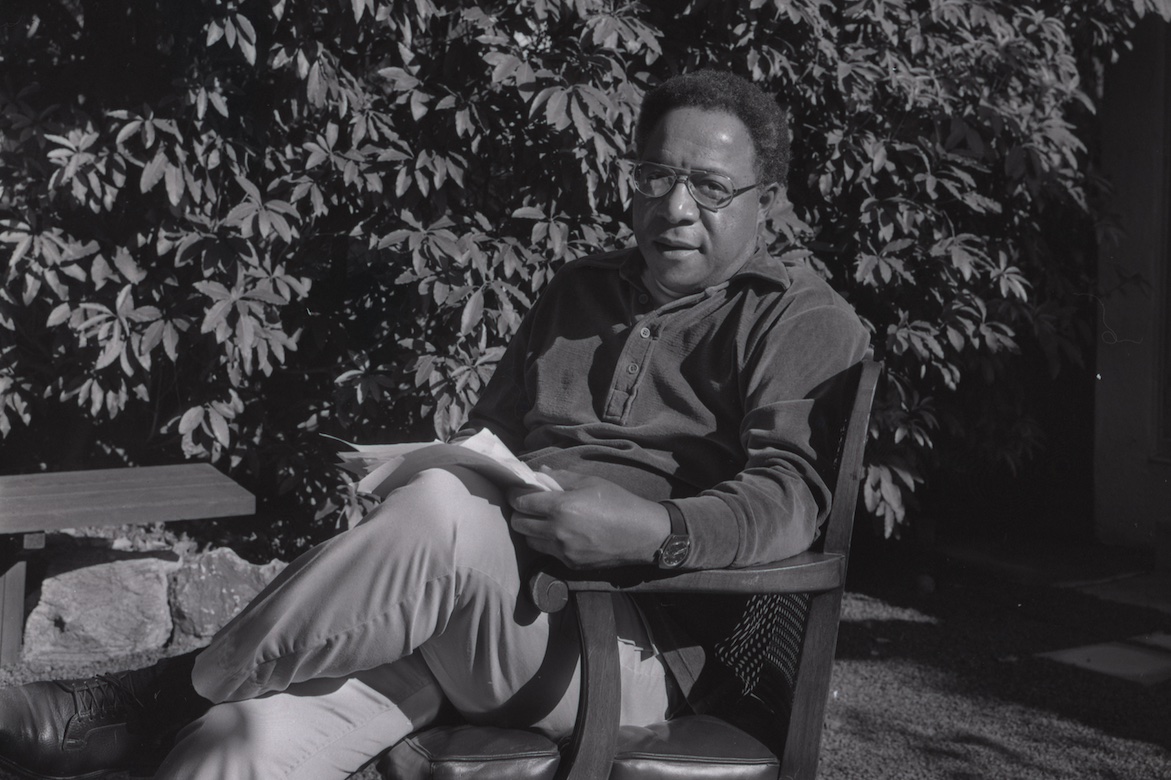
<point>632,365</point>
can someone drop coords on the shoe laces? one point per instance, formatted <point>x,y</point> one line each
<point>106,694</point>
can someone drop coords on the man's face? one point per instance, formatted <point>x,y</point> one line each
<point>688,248</point>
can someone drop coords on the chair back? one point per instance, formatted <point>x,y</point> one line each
<point>782,649</point>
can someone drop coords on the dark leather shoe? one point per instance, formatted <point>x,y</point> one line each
<point>91,727</point>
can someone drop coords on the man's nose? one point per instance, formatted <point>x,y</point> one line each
<point>681,206</point>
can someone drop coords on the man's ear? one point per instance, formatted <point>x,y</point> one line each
<point>770,197</point>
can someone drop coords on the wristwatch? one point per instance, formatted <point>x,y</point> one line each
<point>677,545</point>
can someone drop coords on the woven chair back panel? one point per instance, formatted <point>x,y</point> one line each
<point>765,647</point>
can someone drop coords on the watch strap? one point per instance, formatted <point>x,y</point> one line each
<point>678,526</point>
<point>677,546</point>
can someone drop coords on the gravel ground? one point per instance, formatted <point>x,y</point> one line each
<point>945,685</point>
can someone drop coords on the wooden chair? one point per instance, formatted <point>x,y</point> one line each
<point>788,633</point>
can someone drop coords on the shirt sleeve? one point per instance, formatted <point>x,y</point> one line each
<point>502,405</point>
<point>795,399</point>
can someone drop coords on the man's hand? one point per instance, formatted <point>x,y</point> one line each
<point>592,523</point>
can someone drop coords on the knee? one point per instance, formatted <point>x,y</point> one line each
<point>455,486</point>
<point>435,493</point>
<point>421,512</point>
<point>439,522</point>
<point>434,503</point>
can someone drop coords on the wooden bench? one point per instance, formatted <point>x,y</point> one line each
<point>31,504</point>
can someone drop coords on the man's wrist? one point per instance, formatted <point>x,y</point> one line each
<point>676,548</point>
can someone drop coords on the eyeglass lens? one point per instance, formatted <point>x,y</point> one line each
<point>712,190</point>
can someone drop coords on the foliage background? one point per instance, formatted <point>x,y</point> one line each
<point>230,226</point>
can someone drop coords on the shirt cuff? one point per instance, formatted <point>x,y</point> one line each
<point>714,539</point>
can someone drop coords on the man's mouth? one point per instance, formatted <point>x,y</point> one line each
<point>674,247</point>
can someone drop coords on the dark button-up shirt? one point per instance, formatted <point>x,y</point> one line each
<point>706,402</point>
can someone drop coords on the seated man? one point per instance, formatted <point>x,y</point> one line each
<point>676,390</point>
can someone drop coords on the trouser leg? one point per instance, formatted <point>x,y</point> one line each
<point>433,575</point>
<point>328,729</point>
<point>436,556</point>
<point>547,699</point>
<point>318,730</point>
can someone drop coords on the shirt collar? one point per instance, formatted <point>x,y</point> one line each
<point>765,266</point>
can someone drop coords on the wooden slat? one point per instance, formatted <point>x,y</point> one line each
<point>11,610</point>
<point>102,497</point>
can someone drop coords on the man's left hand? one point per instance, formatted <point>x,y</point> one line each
<point>591,523</point>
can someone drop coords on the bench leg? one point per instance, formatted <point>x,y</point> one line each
<point>11,611</point>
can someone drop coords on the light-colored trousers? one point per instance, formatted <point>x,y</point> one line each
<point>358,642</point>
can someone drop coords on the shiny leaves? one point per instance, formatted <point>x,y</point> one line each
<point>333,215</point>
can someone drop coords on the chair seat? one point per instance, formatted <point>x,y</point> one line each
<point>694,746</point>
<point>481,752</point>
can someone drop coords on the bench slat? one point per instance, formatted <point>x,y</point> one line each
<point>104,497</point>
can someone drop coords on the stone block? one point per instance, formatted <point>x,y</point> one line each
<point>96,604</point>
<point>210,588</point>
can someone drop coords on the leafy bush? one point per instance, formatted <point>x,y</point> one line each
<point>233,225</point>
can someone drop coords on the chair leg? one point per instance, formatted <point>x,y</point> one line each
<point>803,742</point>
<point>595,736</point>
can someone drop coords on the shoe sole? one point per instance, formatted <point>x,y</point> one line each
<point>9,766</point>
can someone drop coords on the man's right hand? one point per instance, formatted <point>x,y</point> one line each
<point>591,523</point>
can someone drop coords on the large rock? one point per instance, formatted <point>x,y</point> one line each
<point>96,604</point>
<point>209,589</point>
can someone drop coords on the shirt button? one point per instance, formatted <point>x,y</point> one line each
<point>632,368</point>
<point>645,333</point>
<point>642,298</point>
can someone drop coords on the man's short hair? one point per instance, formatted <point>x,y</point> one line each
<point>713,90</point>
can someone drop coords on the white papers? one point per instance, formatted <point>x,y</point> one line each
<point>384,467</point>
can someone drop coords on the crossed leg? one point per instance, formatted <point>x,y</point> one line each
<point>359,641</point>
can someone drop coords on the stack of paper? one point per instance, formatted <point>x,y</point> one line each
<point>384,467</point>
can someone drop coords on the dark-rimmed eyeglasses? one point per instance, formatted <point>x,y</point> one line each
<point>712,191</point>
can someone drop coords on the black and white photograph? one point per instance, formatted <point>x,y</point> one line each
<point>585,389</point>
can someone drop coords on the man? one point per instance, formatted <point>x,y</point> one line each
<point>680,391</point>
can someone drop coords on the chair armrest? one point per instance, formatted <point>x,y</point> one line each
<point>807,572</point>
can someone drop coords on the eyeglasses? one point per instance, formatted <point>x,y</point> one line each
<point>712,191</point>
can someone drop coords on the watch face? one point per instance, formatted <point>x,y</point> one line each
<point>674,551</point>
